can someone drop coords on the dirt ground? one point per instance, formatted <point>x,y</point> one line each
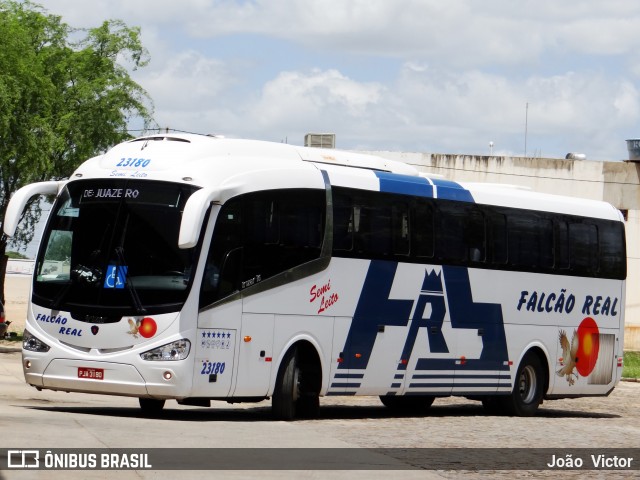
<point>16,290</point>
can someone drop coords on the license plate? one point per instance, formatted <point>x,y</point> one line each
<point>92,373</point>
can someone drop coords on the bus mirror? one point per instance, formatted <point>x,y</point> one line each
<point>193,216</point>
<point>19,201</point>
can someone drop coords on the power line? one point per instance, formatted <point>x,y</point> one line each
<point>529,176</point>
<point>163,130</point>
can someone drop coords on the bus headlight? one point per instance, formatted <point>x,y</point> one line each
<point>33,344</point>
<point>178,350</point>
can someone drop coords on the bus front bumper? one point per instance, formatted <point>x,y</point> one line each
<point>101,377</point>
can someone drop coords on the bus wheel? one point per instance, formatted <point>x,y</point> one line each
<point>528,389</point>
<point>308,405</point>
<point>151,406</point>
<point>407,403</point>
<point>287,390</point>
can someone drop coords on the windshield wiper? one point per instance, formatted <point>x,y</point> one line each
<point>137,304</point>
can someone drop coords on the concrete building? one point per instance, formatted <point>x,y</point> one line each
<point>615,182</point>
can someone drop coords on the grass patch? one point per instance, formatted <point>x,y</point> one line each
<point>631,365</point>
<point>15,337</point>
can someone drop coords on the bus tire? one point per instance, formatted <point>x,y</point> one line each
<point>528,389</point>
<point>407,403</point>
<point>287,390</point>
<point>308,405</point>
<point>151,406</point>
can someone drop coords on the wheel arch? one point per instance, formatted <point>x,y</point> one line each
<point>309,356</point>
<point>541,352</point>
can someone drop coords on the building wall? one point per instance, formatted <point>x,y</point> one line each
<point>615,182</point>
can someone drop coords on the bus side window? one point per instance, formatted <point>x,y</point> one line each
<point>369,224</point>
<point>460,233</point>
<point>422,239</point>
<point>450,233</point>
<point>259,235</point>
<point>544,227</point>
<point>612,250</point>
<point>562,245</point>
<point>530,241</point>
<point>497,247</point>
<point>400,228</point>
<point>475,235</point>
<point>343,220</point>
<point>282,229</point>
<point>222,268</point>
<point>583,244</point>
<point>301,227</point>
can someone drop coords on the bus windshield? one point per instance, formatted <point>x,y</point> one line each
<point>111,249</point>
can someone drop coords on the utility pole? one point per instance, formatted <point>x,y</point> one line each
<point>526,121</point>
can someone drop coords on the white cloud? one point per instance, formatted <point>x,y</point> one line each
<point>460,33</point>
<point>464,32</point>
<point>422,109</point>
<point>317,91</point>
<point>457,73</point>
<point>294,103</point>
<point>626,102</point>
<point>187,81</point>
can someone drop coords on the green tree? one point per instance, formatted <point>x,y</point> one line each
<point>62,100</point>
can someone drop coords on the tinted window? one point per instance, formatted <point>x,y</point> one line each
<point>497,242</point>
<point>108,238</point>
<point>460,233</point>
<point>418,229</point>
<point>260,235</point>
<point>612,250</point>
<point>530,237</point>
<point>562,260</point>
<point>422,229</point>
<point>369,224</point>
<point>583,247</point>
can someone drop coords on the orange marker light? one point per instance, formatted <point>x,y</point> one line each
<point>247,338</point>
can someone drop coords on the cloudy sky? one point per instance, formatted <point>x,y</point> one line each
<point>441,76</point>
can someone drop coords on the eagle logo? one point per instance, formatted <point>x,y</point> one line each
<point>569,358</point>
<point>134,327</point>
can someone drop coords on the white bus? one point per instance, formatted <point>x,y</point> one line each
<point>199,268</point>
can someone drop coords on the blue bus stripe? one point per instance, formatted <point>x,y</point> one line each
<point>443,393</point>
<point>405,184</point>
<point>423,187</point>
<point>453,385</point>
<point>449,190</point>
<point>450,364</point>
<point>458,375</point>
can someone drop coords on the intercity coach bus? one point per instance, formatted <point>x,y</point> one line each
<point>201,268</point>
